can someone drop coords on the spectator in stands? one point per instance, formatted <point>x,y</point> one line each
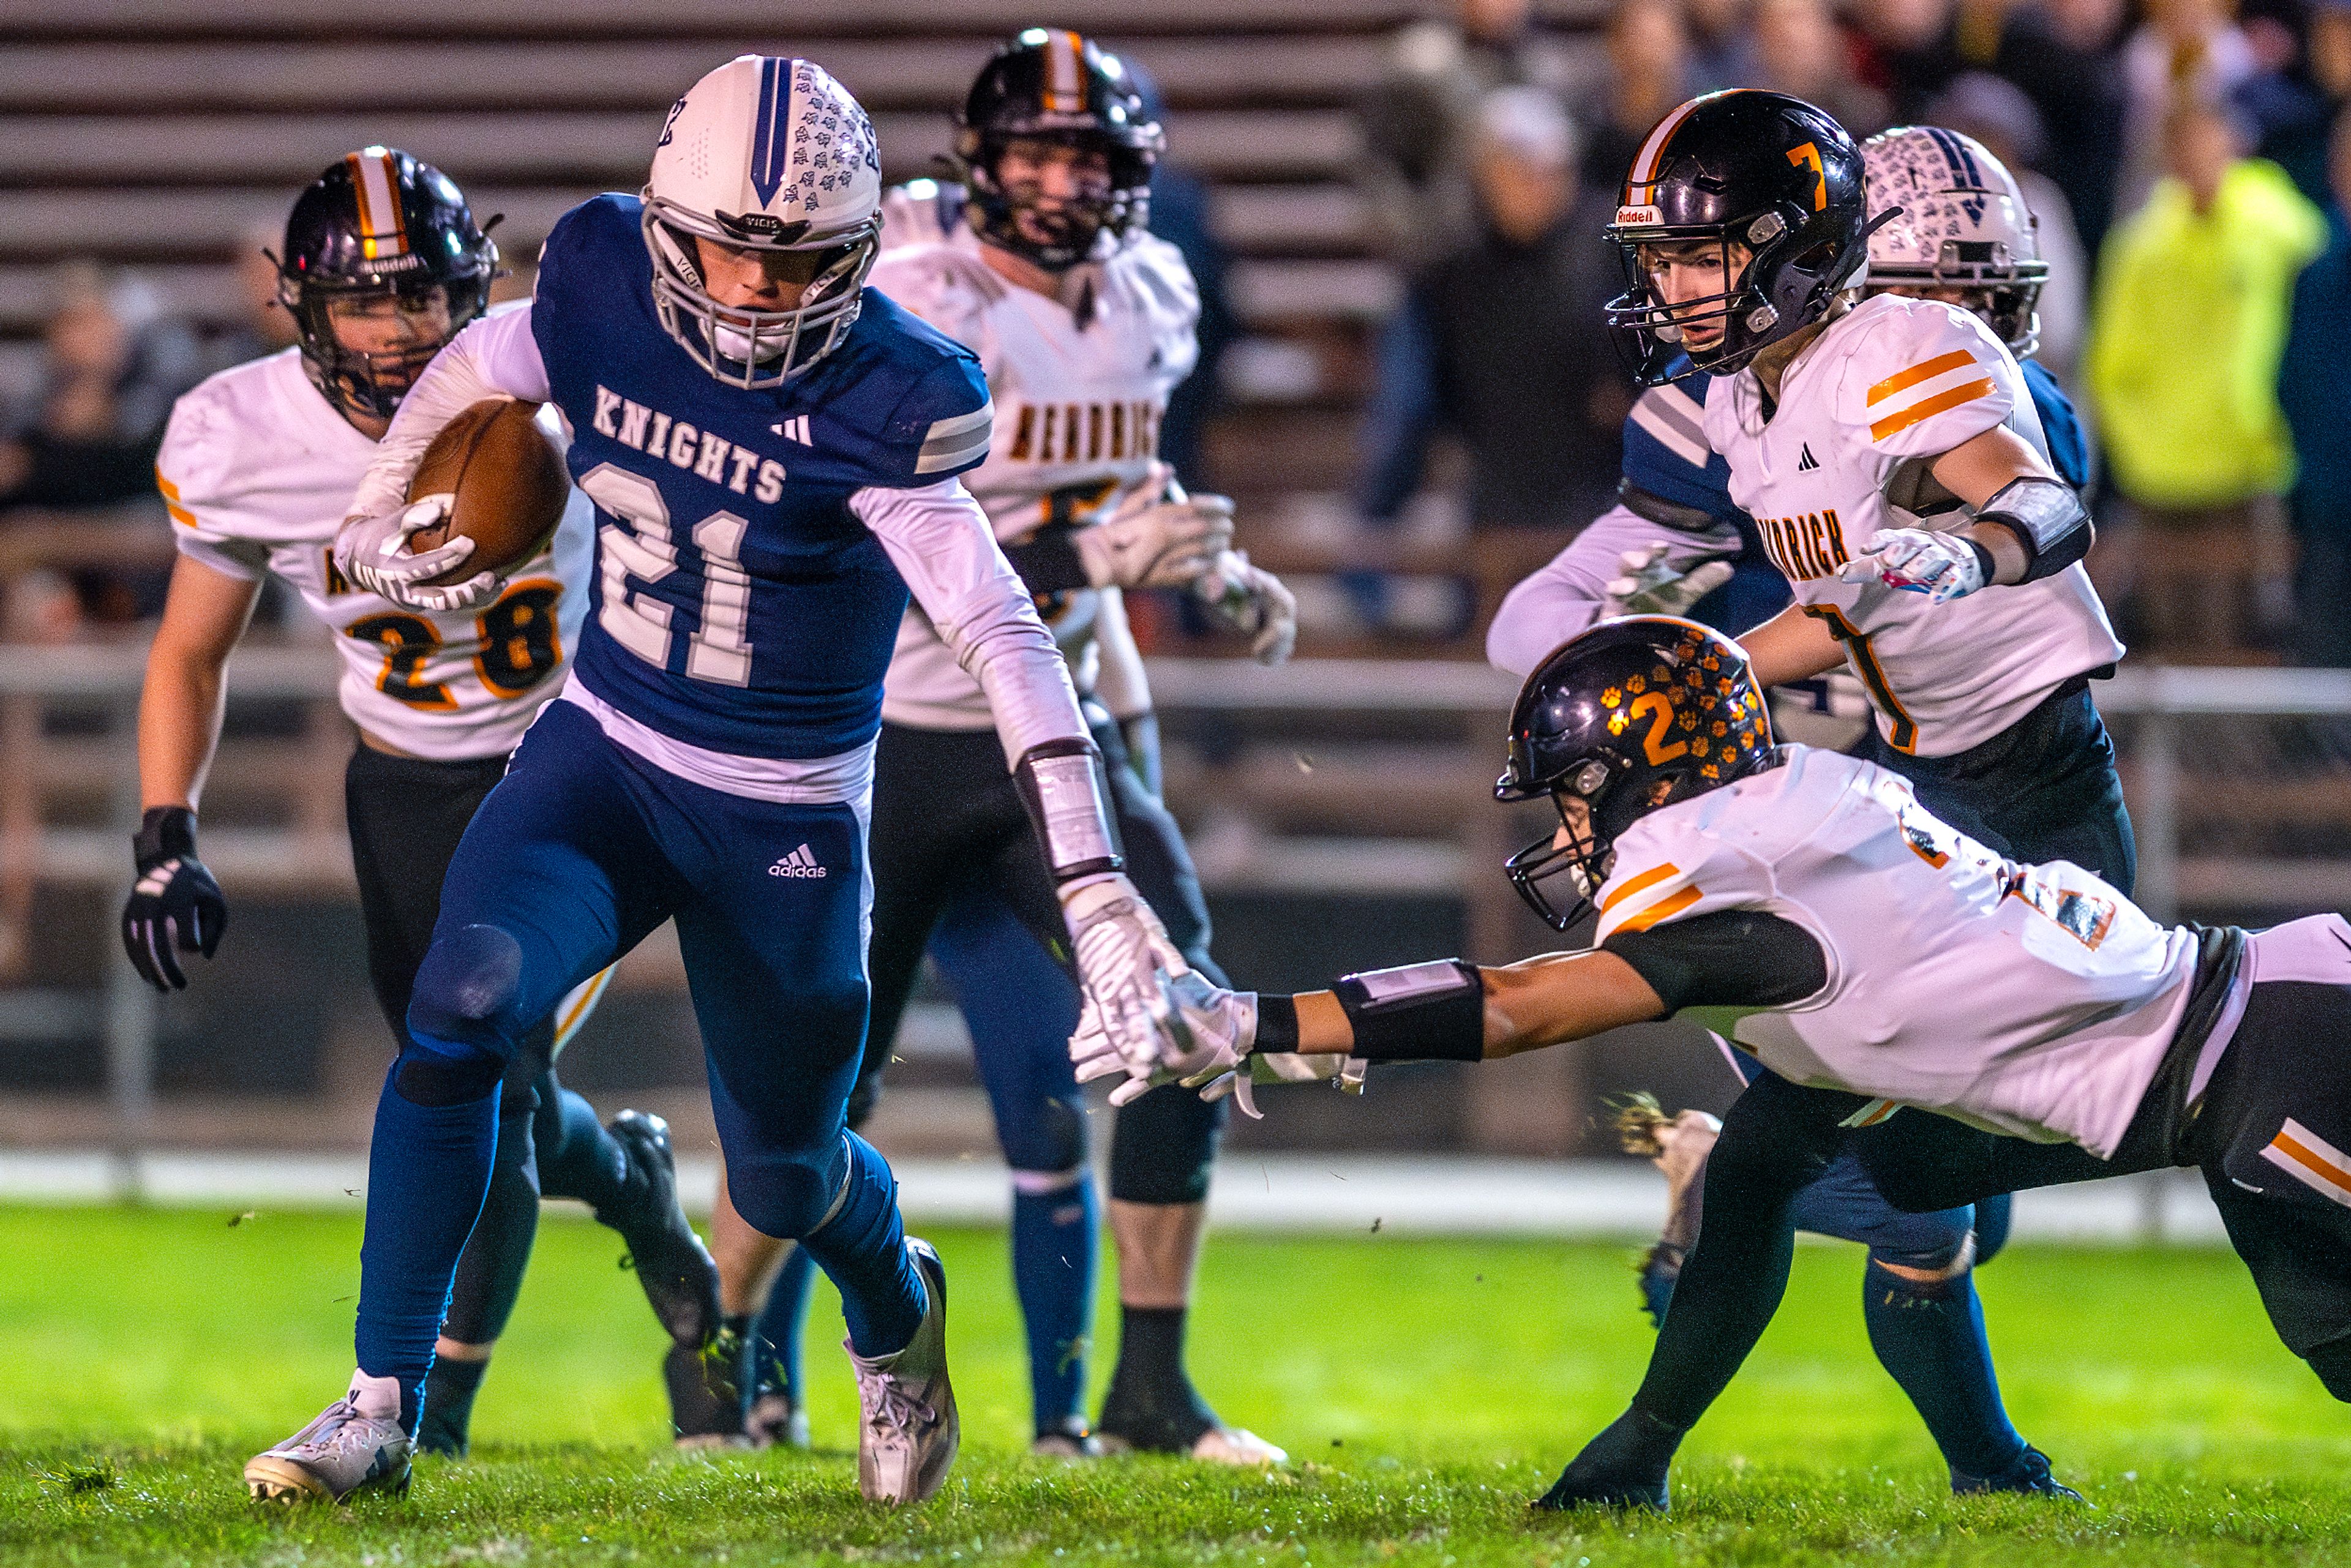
<point>2316,398</point>
<point>1799,51</point>
<point>1910,49</point>
<point>2187,50</point>
<point>1418,124</point>
<point>2184,342</point>
<point>1499,343</point>
<point>1645,74</point>
<point>1996,112</point>
<point>2295,103</point>
<point>1722,54</point>
<point>2067,57</point>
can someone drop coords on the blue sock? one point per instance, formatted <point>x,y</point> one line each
<point>428,1170</point>
<point>1053,1247</point>
<point>1931,1338</point>
<point>577,1157</point>
<point>776,1339</point>
<point>862,1250</point>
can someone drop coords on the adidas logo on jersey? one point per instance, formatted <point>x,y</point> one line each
<point>799,862</point>
<point>794,429</point>
<point>1805,461</point>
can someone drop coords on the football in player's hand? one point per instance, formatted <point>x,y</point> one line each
<point>508,480</point>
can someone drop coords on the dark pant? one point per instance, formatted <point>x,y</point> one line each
<point>948,825</point>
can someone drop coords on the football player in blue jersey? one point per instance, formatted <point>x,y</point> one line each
<point>1677,544</point>
<point>772,451</point>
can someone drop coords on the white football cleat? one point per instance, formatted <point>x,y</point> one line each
<point>907,1431</point>
<point>1218,1445</point>
<point>356,1445</point>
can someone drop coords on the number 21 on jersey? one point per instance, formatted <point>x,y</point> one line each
<point>644,552</point>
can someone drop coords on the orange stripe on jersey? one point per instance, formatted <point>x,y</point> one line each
<point>1665,908</point>
<point>2291,1151</point>
<point>1926,371</point>
<point>1641,884</point>
<point>1968,393</point>
<point>170,492</point>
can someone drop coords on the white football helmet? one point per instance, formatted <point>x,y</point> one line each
<point>1963,225</point>
<point>771,154</point>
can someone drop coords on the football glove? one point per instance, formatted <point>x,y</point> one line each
<point>373,553</point>
<point>1941,566</point>
<point>1125,967</point>
<point>1217,1027</point>
<point>1253,601</point>
<point>175,906</point>
<point>1278,1067</point>
<point>1648,583</point>
<point>1156,537</point>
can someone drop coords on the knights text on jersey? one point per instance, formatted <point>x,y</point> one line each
<point>740,607</point>
<point>258,470</point>
<point>1884,390</point>
<point>2033,1000</point>
<point>1078,405</point>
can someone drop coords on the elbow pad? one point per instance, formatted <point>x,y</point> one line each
<point>1063,785</point>
<point>1419,1013</point>
<point>2048,515</point>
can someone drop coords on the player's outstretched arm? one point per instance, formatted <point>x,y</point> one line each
<point>175,906</point>
<point>495,356</point>
<point>2028,525</point>
<point>1791,646</point>
<point>941,543</point>
<point>1622,564</point>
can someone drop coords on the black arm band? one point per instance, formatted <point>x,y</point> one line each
<point>1420,1012</point>
<point>1067,793</point>
<point>1276,1022</point>
<point>2047,518</point>
<point>1666,514</point>
<point>164,832</point>
<point>1049,563</point>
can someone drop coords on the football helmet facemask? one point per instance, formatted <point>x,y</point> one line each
<point>1053,85</point>
<point>380,227</point>
<point>1955,218</point>
<point>1627,717</point>
<point>1775,186</point>
<point>767,155</point>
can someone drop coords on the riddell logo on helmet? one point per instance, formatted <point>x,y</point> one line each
<point>1639,217</point>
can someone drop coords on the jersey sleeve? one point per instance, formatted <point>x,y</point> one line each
<point>941,427</point>
<point>1671,870</point>
<point>1666,455</point>
<point>197,472</point>
<point>1171,297</point>
<point>934,284</point>
<point>1731,958</point>
<point>1924,380</point>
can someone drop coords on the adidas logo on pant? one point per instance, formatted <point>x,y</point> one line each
<point>799,862</point>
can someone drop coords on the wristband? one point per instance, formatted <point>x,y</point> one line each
<point>1067,793</point>
<point>164,832</point>
<point>2047,516</point>
<point>1277,1023</point>
<point>1419,1013</point>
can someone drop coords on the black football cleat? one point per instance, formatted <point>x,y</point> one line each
<point>706,1397</point>
<point>671,1264</point>
<point>2029,1474</point>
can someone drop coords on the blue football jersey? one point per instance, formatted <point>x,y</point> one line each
<point>738,605</point>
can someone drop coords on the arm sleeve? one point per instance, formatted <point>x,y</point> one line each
<point>1925,381</point>
<point>1733,958</point>
<point>1566,595</point>
<point>495,357</point>
<point>939,540</point>
<point>1050,563</point>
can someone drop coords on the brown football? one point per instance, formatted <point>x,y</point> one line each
<point>508,479</point>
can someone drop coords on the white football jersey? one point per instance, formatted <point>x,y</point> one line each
<point>1077,424</point>
<point>2033,1000</point>
<point>1887,388</point>
<point>257,470</point>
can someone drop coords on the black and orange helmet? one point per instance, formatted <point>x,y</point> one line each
<point>1762,171</point>
<point>1053,85</point>
<point>1631,715</point>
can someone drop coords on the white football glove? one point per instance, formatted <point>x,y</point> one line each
<point>1252,601</point>
<point>1156,537</point>
<point>1647,584</point>
<point>1941,566</point>
<point>1277,1067</point>
<point>1218,1027</point>
<point>373,553</point>
<point>1125,967</point>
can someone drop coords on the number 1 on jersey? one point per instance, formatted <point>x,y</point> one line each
<point>718,650</point>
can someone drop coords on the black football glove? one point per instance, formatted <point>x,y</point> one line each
<point>177,902</point>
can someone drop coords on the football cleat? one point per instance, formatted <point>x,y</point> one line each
<point>671,1264</point>
<point>705,1405</point>
<point>356,1445</point>
<point>775,1422</point>
<point>907,1431</point>
<point>1069,1441</point>
<point>2029,1473</point>
<point>1172,1418</point>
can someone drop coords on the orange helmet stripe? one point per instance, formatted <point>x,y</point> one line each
<point>1065,76</point>
<point>384,231</point>
<point>1648,164</point>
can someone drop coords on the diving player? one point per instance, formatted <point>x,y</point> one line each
<point>1950,224</point>
<point>772,448</point>
<point>1040,264</point>
<point>1816,893</point>
<point>383,265</point>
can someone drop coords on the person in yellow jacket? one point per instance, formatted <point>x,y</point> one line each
<point>2185,340</point>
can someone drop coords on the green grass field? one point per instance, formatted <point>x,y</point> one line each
<point>1425,1388</point>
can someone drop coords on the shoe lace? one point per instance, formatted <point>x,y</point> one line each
<point>898,1409</point>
